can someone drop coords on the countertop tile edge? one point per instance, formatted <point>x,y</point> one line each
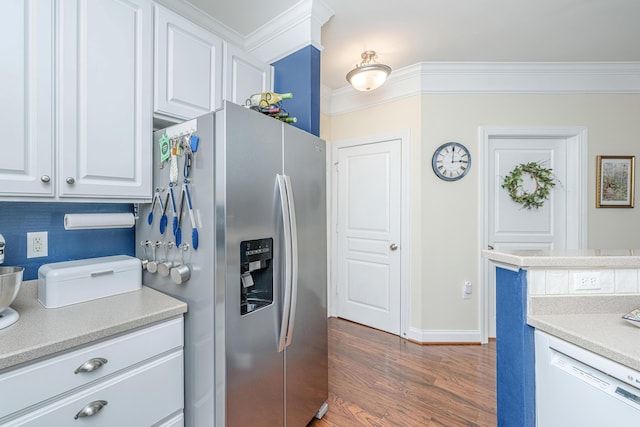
<point>550,325</point>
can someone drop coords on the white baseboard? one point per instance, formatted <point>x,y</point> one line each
<point>427,336</point>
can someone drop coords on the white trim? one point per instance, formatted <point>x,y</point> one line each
<point>493,77</point>
<point>576,186</point>
<point>201,18</point>
<point>325,98</point>
<point>427,336</point>
<point>505,266</point>
<point>405,229</point>
<point>295,28</point>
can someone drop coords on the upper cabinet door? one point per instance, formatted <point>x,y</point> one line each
<point>104,98</point>
<point>188,67</point>
<point>26,98</point>
<point>245,75</point>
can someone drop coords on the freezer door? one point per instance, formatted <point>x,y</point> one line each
<point>306,355</point>
<point>254,366</point>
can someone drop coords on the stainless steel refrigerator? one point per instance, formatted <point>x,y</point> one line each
<point>251,197</point>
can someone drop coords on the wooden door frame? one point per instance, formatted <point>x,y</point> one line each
<point>576,186</point>
<point>405,243</point>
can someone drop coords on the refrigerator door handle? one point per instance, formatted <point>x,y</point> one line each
<point>286,220</point>
<point>294,258</point>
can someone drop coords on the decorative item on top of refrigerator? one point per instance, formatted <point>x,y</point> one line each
<point>270,104</point>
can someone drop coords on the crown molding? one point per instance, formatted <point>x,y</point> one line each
<point>297,27</point>
<point>493,77</point>
<point>201,18</point>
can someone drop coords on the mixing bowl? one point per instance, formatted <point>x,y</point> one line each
<point>10,280</point>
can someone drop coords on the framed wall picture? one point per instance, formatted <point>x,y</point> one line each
<point>615,185</point>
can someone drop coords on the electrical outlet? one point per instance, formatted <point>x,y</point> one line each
<point>37,244</point>
<point>467,290</point>
<point>586,281</point>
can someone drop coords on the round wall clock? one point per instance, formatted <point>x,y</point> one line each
<point>451,161</point>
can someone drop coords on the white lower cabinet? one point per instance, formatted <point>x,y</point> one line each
<point>136,398</point>
<point>136,379</point>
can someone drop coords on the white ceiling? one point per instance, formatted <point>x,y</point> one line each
<point>405,32</point>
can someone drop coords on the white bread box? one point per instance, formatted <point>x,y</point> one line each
<point>72,282</point>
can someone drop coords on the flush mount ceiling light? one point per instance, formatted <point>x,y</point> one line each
<point>369,74</point>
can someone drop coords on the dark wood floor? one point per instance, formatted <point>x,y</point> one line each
<point>377,379</point>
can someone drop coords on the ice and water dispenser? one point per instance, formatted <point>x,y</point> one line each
<point>256,274</point>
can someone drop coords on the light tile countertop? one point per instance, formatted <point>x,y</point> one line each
<point>592,322</point>
<point>586,258</point>
<point>41,332</point>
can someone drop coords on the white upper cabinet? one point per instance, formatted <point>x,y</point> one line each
<point>188,67</point>
<point>26,98</point>
<point>78,79</point>
<point>245,75</point>
<point>104,98</point>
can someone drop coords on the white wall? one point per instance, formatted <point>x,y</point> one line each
<point>445,228</point>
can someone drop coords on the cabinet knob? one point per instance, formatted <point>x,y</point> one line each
<point>45,178</point>
<point>393,246</point>
<point>70,180</point>
<point>91,365</point>
<point>91,409</point>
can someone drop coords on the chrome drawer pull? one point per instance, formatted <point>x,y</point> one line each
<point>91,409</point>
<point>91,365</point>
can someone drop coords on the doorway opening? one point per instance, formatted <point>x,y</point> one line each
<point>501,223</point>
<point>369,231</point>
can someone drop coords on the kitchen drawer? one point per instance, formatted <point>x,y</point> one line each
<point>31,384</point>
<point>140,397</point>
<point>176,421</point>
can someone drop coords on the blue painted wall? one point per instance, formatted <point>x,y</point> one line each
<point>299,73</point>
<point>514,351</point>
<point>17,218</point>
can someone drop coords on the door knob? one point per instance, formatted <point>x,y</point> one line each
<point>393,246</point>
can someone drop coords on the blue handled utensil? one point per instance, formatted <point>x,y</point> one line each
<point>194,229</point>
<point>163,218</point>
<point>156,198</point>
<point>175,211</point>
<point>178,228</point>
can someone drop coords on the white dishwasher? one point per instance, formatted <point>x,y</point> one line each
<point>575,387</point>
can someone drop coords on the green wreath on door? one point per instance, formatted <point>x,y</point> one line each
<point>543,178</point>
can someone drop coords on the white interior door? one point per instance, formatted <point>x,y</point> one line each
<point>552,226</point>
<point>368,234</point>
